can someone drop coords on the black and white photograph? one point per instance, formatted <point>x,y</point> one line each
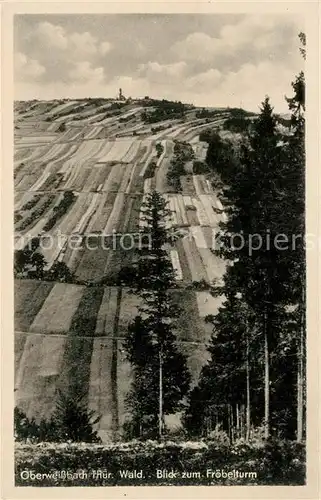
<point>159,249</point>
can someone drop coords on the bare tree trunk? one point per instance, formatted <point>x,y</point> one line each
<point>248,403</point>
<point>232,423</point>
<point>299,400</point>
<point>160,416</point>
<point>300,374</point>
<point>266,381</point>
<point>229,422</point>
<point>237,413</point>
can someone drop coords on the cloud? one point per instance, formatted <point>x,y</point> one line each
<point>231,63</point>
<point>26,68</point>
<point>203,81</point>
<point>81,87</point>
<point>84,72</point>
<point>105,47</point>
<point>196,46</point>
<point>140,48</point>
<point>51,34</point>
<point>84,43</point>
<point>247,86</point>
<point>156,72</point>
<point>77,44</point>
<point>266,33</point>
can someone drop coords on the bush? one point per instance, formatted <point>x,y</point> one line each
<point>126,119</point>
<point>183,153</point>
<point>207,113</point>
<point>165,110</point>
<point>31,203</point>
<point>127,276</point>
<point>150,170</point>
<point>237,124</point>
<point>62,128</point>
<point>29,262</point>
<point>117,105</point>
<point>219,437</point>
<point>201,285</point>
<point>60,210</point>
<point>205,135</point>
<point>159,149</point>
<point>221,157</point>
<point>17,217</point>
<point>36,214</point>
<point>60,272</point>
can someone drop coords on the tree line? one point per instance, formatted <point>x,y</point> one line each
<point>255,378</point>
<point>256,374</point>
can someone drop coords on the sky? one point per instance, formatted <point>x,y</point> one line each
<point>202,59</point>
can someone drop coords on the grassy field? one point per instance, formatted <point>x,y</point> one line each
<point>69,335</point>
<point>72,339</point>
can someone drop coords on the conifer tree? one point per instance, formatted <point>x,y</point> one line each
<point>161,378</point>
<point>72,421</point>
<point>250,202</point>
<point>229,382</point>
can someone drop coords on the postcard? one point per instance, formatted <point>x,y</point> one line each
<point>160,191</point>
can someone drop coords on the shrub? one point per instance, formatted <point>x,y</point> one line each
<point>60,210</point>
<point>164,110</point>
<point>183,153</point>
<point>29,261</point>
<point>219,437</point>
<point>207,113</point>
<point>237,124</point>
<point>36,214</point>
<point>201,285</point>
<point>62,128</point>
<point>17,217</point>
<point>150,170</point>
<point>60,272</point>
<point>160,149</point>
<point>31,203</point>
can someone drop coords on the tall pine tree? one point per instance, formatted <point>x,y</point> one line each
<point>161,378</point>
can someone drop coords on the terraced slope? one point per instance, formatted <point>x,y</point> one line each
<point>70,335</point>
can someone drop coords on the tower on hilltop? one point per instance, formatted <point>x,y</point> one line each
<point>121,96</point>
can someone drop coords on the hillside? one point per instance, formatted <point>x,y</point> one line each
<point>82,168</point>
